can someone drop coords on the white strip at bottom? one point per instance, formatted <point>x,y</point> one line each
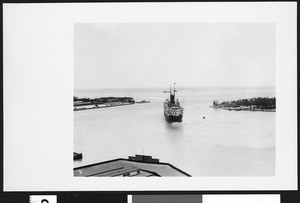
<point>241,198</point>
<point>129,198</point>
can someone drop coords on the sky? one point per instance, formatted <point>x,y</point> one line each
<point>139,55</point>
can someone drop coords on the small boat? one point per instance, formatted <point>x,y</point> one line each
<point>77,156</point>
<point>173,111</point>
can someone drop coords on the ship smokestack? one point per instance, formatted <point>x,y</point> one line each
<point>172,98</point>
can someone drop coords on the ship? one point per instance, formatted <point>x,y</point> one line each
<point>173,111</point>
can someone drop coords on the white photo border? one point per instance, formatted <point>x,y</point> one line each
<point>38,70</point>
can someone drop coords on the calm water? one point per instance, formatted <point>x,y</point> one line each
<point>225,143</point>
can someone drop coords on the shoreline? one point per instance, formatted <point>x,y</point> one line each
<point>99,106</point>
<point>242,109</point>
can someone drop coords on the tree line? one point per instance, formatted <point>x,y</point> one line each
<point>102,100</point>
<point>255,102</point>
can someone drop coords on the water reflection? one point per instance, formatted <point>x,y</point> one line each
<point>174,127</point>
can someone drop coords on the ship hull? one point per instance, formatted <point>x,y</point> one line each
<point>173,119</point>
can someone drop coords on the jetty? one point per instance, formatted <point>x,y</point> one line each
<point>142,102</point>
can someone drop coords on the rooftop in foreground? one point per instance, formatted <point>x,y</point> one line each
<point>138,166</point>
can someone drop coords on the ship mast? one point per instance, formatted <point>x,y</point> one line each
<point>174,89</point>
<point>172,94</point>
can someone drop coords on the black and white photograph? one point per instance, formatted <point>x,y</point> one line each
<point>174,99</point>
<point>202,96</point>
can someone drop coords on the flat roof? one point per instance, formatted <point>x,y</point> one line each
<point>119,167</point>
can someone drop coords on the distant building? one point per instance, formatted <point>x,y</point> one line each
<point>138,166</point>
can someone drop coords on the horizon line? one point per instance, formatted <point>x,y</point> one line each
<point>241,86</point>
